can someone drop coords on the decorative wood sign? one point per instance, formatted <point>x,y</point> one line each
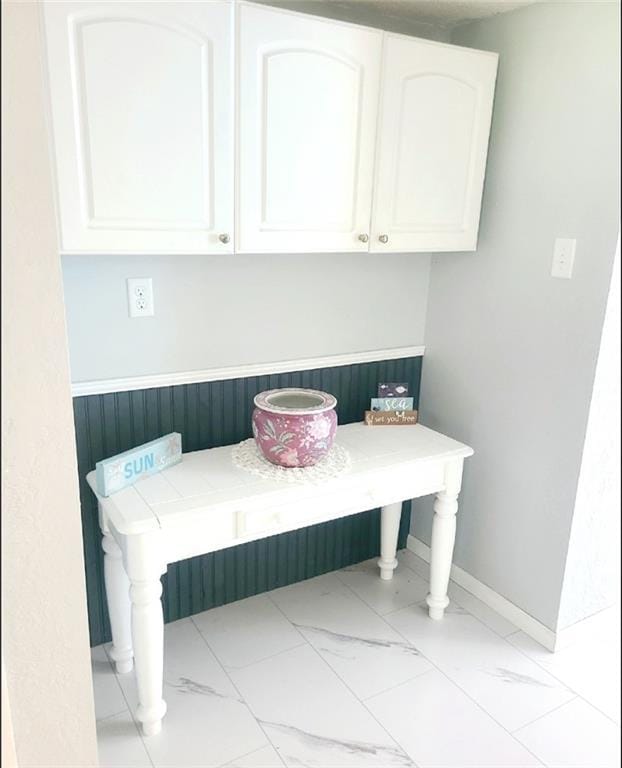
<point>393,389</point>
<point>392,403</point>
<point>126,468</point>
<point>386,418</point>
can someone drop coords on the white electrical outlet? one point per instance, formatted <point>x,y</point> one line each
<point>563,257</point>
<point>140,296</point>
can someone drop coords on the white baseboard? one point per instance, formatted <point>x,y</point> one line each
<point>104,386</point>
<point>492,599</point>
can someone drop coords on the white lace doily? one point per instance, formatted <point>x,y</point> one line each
<point>247,456</point>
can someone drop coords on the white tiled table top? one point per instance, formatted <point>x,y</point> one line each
<point>347,670</point>
<point>208,479</point>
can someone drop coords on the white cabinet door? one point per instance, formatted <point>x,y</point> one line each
<point>142,117</point>
<point>435,114</point>
<point>307,108</point>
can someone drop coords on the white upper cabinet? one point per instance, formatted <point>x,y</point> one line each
<point>434,122</point>
<point>330,137</point>
<point>142,117</point>
<point>307,110</point>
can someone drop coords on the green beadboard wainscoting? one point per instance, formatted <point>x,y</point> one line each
<point>219,413</point>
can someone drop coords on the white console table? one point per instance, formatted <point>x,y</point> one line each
<point>205,504</point>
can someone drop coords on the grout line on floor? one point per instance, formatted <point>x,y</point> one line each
<point>338,676</point>
<point>468,695</point>
<point>565,684</point>
<point>388,613</point>
<point>397,685</point>
<point>512,631</point>
<point>422,602</point>
<point>114,714</point>
<point>455,583</point>
<point>246,754</point>
<point>384,618</point>
<point>242,699</point>
<point>452,682</point>
<point>535,720</point>
<point>263,658</point>
<point>113,672</point>
<point>137,725</point>
<point>492,610</point>
<point>365,601</point>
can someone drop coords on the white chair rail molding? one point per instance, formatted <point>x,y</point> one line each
<point>222,127</point>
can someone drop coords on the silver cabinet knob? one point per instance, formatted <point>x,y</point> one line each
<point>363,238</point>
<point>223,238</point>
<point>383,238</point>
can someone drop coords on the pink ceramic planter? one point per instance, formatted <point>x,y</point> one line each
<point>294,427</point>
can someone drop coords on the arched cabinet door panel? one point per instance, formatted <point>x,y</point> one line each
<point>434,124</point>
<point>307,107</point>
<point>142,118</point>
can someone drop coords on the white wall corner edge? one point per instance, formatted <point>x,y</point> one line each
<point>515,615</point>
<point>106,386</point>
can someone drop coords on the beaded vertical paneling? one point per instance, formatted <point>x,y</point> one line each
<point>209,415</point>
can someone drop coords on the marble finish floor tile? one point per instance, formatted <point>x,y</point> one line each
<point>439,726</point>
<point>359,645</point>
<point>348,670</point>
<point>207,723</point>
<point>247,631</point>
<point>310,715</point>
<point>109,699</point>
<point>119,744</point>
<point>573,736</point>
<point>513,689</point>
<point>405,588</point>
<point>591,669</point>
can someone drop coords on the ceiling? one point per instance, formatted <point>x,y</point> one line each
<point>445,13</point>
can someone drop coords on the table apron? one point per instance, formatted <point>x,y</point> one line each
<point>209,531</point>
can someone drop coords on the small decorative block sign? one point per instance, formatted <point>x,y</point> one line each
<point>393,390</point>
<point>126,468</point>
<point>392,403</point>
<point>386,418</point>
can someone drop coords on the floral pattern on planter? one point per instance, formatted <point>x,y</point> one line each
<point>297,439</point>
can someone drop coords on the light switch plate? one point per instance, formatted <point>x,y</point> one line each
<point>563,257</point>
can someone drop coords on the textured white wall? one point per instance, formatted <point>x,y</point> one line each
<point>592,576</point>
<point>44,630</point>
<point>367,14</point>
<point>510,351</point>
<point>9,758</point>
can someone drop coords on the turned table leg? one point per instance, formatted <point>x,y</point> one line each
<point>145,565</point>
<point>118,600</point>
<point>443,537</point>
<point>148,637</point>
<point>389,530</point>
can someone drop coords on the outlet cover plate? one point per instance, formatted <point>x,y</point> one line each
<point>140,296</point>
<point>563,257</point>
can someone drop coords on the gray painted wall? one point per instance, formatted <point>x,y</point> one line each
<point>510,351</point>
<point>213,311</point>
